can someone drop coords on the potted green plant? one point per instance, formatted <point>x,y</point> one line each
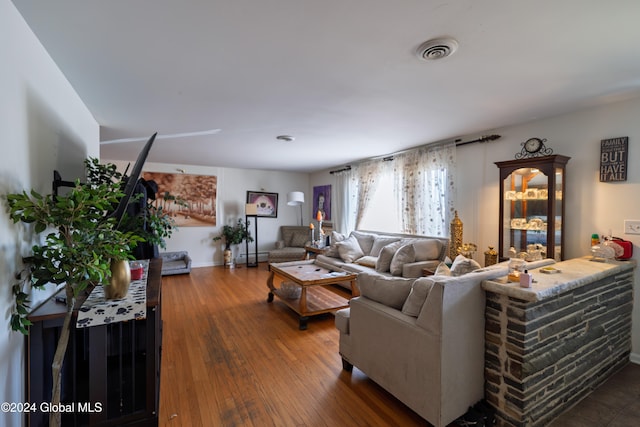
<point>81,243</point>
<point>233,235</point>
<point>153,223</point>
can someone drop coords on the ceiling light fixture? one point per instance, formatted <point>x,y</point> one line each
<point>437,48</point>
<point>287,138</point>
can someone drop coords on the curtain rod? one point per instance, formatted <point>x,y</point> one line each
<point>344,169</point>
<point>458,143</point>
<point>485,138</point>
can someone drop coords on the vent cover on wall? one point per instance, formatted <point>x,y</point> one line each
<point>437,49</point>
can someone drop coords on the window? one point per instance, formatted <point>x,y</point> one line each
<point>413,194</point>
<point>382,212</point>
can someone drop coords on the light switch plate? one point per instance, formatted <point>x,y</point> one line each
<point>632,226</point>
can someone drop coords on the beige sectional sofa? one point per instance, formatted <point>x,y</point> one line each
<point>422,339</point>
<point>385,254</point>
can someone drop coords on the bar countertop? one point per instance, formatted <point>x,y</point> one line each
<point>571,274</point>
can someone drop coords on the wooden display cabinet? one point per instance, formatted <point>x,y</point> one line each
<point>532,206</point>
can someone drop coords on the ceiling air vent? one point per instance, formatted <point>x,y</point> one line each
<point>436,49</point>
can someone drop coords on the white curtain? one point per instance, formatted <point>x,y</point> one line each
<point>425,189</point>
<point>367,180</point>
<point>346,201</point>
<point>424,192</point>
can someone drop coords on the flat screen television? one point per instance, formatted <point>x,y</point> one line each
<point>129,181</point>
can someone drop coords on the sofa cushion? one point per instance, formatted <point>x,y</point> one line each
<point>349,249</point>
<point>383,264</point>
<point>365,240</point>
<point>416,269</point>
<point>390,291</point>
<point>354,267</point>
<point>402,256</point>
<point>299,239</point>
<point>427,249</point>
<point>367,261</point>
<point>463,265</point>
<point>333,249</point>
<point>287,254</point>
<point>380,242</point>
<point>442,270</point>
<point>417,296</point>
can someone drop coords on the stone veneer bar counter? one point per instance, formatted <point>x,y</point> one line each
<point>549,346</point>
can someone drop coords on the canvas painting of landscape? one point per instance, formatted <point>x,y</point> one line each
<point>189,199</point>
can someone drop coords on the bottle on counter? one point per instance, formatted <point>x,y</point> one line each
<point>525,279</point>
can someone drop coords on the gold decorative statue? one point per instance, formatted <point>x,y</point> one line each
<point>455,242</point>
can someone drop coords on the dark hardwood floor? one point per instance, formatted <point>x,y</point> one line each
<point>230,358</point>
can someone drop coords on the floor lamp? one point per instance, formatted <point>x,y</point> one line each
<point>296,198</point>
<point>251,211</point>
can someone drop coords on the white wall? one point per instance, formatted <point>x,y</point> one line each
<point>591,206</point>
<point>233,185</point>
<point>43,126</point>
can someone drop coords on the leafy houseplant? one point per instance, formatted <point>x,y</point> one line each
<point>78,249</point>
<point>234,235</point>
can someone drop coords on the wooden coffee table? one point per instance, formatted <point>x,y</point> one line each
<point>314,297</point>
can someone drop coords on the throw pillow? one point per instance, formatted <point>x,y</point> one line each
<point>462,265</point>
<point>403,255</point>
<point>418,295</point>
<point>380,242</point>
<point>386,255</point>
<point>367,261</point>
<point>427,249</point>
<point>442,270</point>
<point>349,249</point>
<point>333,249</point>
<point>390,291</point>
<point>365,240</point>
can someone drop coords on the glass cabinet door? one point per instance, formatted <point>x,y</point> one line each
<point>531,208</point>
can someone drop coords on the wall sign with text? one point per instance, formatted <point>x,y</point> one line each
<point>613,159</point>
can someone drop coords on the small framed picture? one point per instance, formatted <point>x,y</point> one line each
<point>267,203</point>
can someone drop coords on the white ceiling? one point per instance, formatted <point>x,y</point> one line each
<point>338,75</point>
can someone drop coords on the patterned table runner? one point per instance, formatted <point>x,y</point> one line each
<point>96,310</point>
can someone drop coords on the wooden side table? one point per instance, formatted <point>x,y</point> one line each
<point>428,271</point>
<point>314,251</point>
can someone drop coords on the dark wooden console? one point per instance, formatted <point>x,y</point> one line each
<point>111,373</point>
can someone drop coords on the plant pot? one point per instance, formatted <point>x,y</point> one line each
<point>118,286</point>
<point>228,258</point>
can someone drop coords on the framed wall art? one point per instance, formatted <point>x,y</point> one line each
<point>322,201</point>
<point>267,203</point>
<point>189,199</point>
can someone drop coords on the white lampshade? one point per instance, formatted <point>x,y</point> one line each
<point>295,198</point>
